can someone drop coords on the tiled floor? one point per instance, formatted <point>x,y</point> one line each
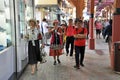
<point>97,67</point>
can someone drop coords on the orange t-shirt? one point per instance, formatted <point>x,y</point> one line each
<point>70,31</point>
<point>80,42</point>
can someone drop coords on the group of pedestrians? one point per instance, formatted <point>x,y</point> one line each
<point>75,34</point>
<point>71,36</point>
<point>104,26</point>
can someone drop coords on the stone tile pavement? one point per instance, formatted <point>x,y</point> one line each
<point>97,67</point>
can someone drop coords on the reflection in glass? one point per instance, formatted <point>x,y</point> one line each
<point>5,25</point>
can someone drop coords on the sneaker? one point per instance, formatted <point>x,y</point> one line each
<point>54,63</point>
<point>58,61</point>
<point>71,55</point>
<point>82,65</point>
<point>77,67</point>
<point>67,54</point>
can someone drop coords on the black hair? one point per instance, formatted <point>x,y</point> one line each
<point>37,21</point>
<point>70,20</point>
<point>78,20</point>
<point>44,19</point>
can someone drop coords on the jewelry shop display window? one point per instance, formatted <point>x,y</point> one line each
<point>5,25</point>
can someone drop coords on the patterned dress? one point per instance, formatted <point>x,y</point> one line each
<point>56,43</point>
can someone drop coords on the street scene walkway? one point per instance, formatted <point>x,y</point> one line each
<point>97,66</point>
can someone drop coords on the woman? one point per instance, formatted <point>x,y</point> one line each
<point>80,35</point>
<point>98,27</point>
<point>63,27</point>
<point>56,44</point>
<point>33,45</point>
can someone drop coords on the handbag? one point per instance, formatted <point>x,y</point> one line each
<point>39,36</point>
<point>43,55</point>
<point>48,35</point>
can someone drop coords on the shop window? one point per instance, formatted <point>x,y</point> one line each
<point>25,13</point>
<point>5,24</point>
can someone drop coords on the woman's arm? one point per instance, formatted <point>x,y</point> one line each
<point>51,30</point>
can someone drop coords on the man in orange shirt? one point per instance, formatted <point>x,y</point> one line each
<point>70,37</point>
<point>80,34</point>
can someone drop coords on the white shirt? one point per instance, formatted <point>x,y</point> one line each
<point>32,33</point>
<point>106,24</point>
<point>44,25</point>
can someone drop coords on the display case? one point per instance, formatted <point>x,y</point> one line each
<point>25,13</point>
<point>5,24</point>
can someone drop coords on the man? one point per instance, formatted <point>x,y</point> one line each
<point>69,37</point>
<point>80,34</point>
<point>44,30</point>
<point>108,32</point>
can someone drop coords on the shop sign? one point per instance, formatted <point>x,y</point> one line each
<point>46,2</point>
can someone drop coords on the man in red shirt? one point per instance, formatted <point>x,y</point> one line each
<point>80,34</point>
<point>70,37</point>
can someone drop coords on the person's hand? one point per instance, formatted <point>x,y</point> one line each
<point>58,33</point>
<point>43,45</point>
<point>53,29</point>
<point>27,36</point>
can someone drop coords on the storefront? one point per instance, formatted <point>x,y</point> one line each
<point>46,12</point>
<point>50,10</point>
<point>25,11</point>
<point>14,15</point>
<point>6,39</point>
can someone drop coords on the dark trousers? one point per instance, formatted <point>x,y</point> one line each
<point>70,41</point>
<point>110,43</point>
<point>79,54</point>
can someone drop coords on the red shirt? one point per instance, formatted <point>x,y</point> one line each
<point>80,42</point>
<point>70,31</point>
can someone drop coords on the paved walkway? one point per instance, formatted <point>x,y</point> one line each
<point>97,67</point>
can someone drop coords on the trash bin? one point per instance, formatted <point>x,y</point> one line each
<point>117,56</point>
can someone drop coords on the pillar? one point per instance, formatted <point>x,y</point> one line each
<point>91,32</point>
<point>115,29</point>
<point>80,5</point>
<point>79,8</point>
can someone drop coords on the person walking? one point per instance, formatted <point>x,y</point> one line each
<point>38,24</point>
<point>44,30</point>
<point>70,37</point>
<point>98,27</point>
<point>33,45</point>
<point>80,34</point>
<point>108,32</point>
<point>63,27</point>
<point>86,25</point>
<point>56,44</point>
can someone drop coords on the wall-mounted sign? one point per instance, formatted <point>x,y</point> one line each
<point>46,2</point>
